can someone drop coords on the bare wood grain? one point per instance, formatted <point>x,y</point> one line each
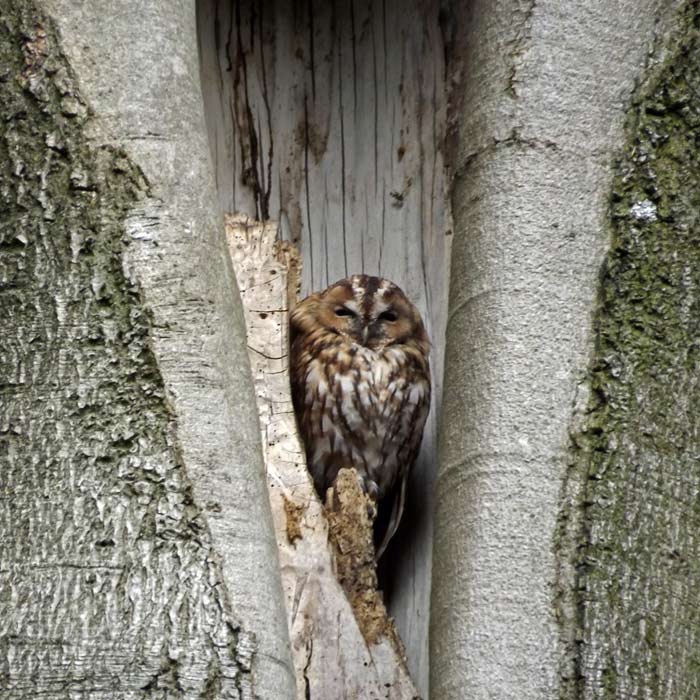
<point>329,117</point>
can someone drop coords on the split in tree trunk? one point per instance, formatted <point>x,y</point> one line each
<point>343,643</point>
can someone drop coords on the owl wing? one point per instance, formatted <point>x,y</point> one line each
<point>308,363</point>
<point>398,495</point>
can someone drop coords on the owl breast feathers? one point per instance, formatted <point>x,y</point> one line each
<point>361,386</point>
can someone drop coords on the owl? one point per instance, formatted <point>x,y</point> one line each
<point>361,387</point>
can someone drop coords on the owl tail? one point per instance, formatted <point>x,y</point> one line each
<point>394,518</point>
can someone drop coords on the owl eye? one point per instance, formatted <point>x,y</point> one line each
<point>387,316</point>
<point>343,311</point>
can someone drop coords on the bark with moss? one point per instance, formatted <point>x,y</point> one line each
<point>547,86</point>
<point>635,464</point>
<point>131,472</point>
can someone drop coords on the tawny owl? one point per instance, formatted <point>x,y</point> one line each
<point>361,386</point>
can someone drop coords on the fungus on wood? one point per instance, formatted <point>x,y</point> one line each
<point>343,642</point>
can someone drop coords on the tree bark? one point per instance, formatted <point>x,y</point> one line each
<point>546,89</point>
<point>635,475</point>
<point>137,550</point>
<point>330,118</point>
<point>137,553</point>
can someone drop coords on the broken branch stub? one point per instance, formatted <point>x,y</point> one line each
<point>343,643</point>
<point>350,514</point>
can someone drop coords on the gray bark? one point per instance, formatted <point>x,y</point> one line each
<point>635,474</point>
<point>330,118</point>
<point>138,557</point>
<point>547,86</point>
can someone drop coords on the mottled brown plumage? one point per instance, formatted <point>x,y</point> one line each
<point>361,386</point>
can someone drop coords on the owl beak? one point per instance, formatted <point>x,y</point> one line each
<point>365,334</point>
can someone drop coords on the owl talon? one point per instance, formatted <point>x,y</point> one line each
<point>371,511</point>
<point>370,488</point>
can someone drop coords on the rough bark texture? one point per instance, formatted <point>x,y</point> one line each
<point>343,644</point>
<point>636,473</point>
<point>135,536</point>
<point>329,117</point>
<point>547,86</point>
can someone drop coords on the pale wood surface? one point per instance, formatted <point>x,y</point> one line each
<point>329,117</point>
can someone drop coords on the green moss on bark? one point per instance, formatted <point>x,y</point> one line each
<point>637,459</point>
<point>108,585</point>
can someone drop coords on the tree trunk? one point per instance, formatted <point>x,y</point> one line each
<point>137,550</point>
<point>635,473</point>
<point>547,89</point>
<point>330,117</point>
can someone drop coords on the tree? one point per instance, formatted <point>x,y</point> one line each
<point>137,551</point>
<point>568,573</point>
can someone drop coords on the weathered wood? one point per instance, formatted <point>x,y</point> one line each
<point>350,514</point>
<point>334,656</point>
<point>329,117</point>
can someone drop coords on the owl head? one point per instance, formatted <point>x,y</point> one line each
<point>370,311</point>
